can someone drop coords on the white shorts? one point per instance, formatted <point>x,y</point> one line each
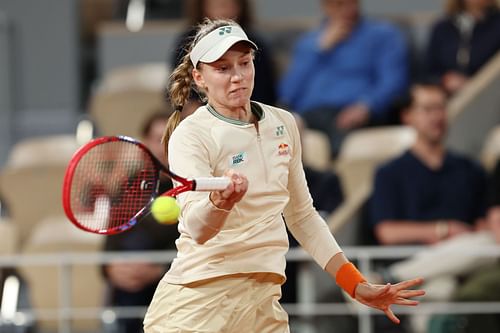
<point>237,303</point>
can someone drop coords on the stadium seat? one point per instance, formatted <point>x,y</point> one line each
<point>55,235</point>
<point>363,149</point>
<point>150,76</point>
<point>490,153</point>
<point>361,152</point>
<point>42,151</point>
<point>316,149</point>
<point>128,96</point>
<point>31,181</point>
<point>8,237</point>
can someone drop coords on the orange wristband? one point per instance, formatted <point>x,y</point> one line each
<point>348,277</point>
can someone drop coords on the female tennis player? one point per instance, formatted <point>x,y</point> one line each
<point>231,251</point>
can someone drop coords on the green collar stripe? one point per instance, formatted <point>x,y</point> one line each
<point>256,110</point>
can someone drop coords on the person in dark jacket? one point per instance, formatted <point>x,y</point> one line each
<point>463,41</point>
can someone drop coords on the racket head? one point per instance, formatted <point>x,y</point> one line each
<point>109,184</point>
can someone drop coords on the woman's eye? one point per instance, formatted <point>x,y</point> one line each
<point>222,68</point>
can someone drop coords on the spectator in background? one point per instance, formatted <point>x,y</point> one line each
<point>429,193</point>
<point>346,73</point>
<point>451,275</point>
<point>241,12</point>
<point>133,284</point>
<point>482,285</point>
<point>463,41</point>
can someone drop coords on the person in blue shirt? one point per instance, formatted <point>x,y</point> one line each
<point>346,73</point>
<point>429,193</point>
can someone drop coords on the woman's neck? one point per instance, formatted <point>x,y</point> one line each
<point>241,113</point>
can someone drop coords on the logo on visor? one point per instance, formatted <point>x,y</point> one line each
<point>225,30</point>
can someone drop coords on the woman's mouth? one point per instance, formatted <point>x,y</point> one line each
<point>238,90</point>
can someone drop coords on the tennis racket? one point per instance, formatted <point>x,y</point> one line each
<point>111,182</point>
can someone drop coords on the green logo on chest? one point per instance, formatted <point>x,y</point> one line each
<point>280,130</point>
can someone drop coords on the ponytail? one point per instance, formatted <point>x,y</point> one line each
<point>178,92</point>
<point>172,123</point>
<point>181,83</point>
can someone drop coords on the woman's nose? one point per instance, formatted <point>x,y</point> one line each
<point>237,75</point>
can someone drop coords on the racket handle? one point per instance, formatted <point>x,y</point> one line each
<point>211,183</point>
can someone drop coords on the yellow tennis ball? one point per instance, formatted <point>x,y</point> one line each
<point>165,210</point>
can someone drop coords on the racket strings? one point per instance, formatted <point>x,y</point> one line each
<point>111,183</point>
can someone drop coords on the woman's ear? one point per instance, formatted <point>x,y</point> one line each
<point>198,78</point>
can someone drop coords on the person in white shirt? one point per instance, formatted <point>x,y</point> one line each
<point>231,250</point>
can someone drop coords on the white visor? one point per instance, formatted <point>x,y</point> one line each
<point>217,42</point>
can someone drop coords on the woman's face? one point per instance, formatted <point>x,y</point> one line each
<point>222,9</point>
<point>228,82</point>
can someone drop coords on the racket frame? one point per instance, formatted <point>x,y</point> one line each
<point>186,184</point>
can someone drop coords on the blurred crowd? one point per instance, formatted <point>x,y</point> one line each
<point>353,72</point>
<point>349,73</point>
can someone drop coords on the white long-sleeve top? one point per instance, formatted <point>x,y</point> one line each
<point>253,236</point>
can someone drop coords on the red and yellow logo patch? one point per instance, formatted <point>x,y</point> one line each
<point>283,149</point>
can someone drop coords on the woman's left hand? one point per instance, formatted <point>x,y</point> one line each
<point>383,296</point>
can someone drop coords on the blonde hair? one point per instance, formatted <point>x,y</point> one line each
<point>181,79</point>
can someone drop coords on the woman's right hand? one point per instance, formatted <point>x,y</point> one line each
<point>233,193</point>
<point>382,297</point>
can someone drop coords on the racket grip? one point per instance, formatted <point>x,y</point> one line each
<point>211,183</point>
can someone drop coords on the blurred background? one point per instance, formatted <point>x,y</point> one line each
<point>71,70</point>
<point>54,53</point>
